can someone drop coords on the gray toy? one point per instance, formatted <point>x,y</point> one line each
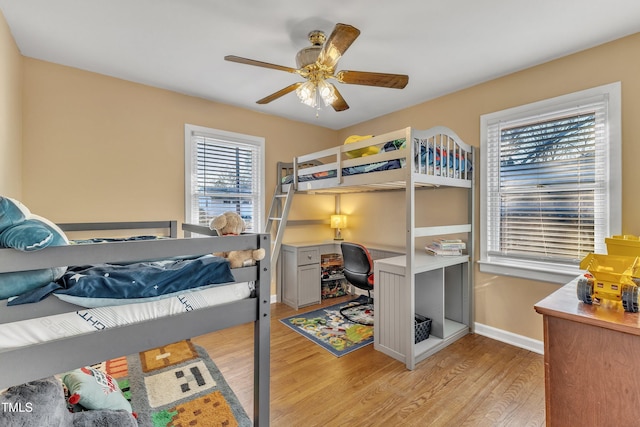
<point>42,403</point>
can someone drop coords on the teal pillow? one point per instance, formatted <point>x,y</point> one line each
<point>19,282</point>
<point>12,212</point>
<point>28,235</point>
<point>33,234</point>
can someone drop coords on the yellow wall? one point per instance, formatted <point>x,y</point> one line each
<point>10,114</point>
<point>502,302</point>
<point>100,148</point>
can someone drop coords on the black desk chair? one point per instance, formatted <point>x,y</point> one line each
<point>358,270</point>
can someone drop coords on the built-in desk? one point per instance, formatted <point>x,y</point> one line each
<point>300,269</point>
<point>590,355</point>
<point>440,290</point>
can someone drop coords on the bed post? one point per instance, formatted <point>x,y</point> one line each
<point>261,353</point>
<point>471,245</point>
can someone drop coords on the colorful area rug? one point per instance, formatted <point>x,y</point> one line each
<point>176,385</point>
<point>330,330</point>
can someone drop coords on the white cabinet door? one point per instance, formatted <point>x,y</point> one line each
<point>309,285</point>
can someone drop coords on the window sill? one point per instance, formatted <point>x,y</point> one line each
<point>531,270</point>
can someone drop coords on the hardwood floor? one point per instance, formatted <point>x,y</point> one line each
<point>476,381</point>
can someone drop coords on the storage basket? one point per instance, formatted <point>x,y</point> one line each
<point>627,245</point>
<point>423,327</point>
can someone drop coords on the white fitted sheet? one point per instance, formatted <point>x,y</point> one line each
<point>91,320</point>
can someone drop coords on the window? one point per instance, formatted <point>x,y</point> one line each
<point>224,171</point>
<point>551,184</point>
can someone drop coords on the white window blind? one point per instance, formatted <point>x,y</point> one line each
<point>225,174</point>
<point>548,196</point>
<point>548,177</point>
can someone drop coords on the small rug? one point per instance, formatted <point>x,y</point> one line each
<point>330,330</point>
<point>176,385</point>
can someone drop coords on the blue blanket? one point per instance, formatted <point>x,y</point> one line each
<point>151,279</point>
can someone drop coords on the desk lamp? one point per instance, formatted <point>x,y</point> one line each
<point>338,222</point>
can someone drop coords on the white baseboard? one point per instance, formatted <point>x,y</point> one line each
<point>274,299</point>
<point>510,338</point>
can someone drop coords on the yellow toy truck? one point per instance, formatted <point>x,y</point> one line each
<point>612,277</point>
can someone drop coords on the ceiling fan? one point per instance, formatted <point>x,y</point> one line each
<point>317,64</point>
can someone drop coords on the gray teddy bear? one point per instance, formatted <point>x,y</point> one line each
<point>42,403</point>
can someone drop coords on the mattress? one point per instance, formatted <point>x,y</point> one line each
<point>91,320</point>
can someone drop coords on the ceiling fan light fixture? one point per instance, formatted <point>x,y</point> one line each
<point>307,93</point>
<point>310,93</point>
<point>327,93</point>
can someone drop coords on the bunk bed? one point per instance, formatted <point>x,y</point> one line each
<point>431,158</point>
<point>404,160</point>
<point>26,362</point>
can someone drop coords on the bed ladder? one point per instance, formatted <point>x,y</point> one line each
<point>278,212</point>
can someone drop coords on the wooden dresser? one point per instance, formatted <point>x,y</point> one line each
<point>592,361</point>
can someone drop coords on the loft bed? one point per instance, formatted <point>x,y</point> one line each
<point>403,160</point>
<point>430,158</point>
<point>24,362</point>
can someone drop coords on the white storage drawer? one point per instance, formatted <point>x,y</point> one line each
<point>308,256</point>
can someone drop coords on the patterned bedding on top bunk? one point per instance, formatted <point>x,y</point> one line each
<point>435,158</point>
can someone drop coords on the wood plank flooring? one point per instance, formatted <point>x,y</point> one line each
<point>476,381</point>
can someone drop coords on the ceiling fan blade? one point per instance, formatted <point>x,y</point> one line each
<point>393,81</point>
<point>241,60</point>
<point>278,94</point>
<point>337,44</point>
<point>339,104</point>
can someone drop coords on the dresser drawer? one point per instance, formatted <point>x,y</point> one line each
<point>308,256</point>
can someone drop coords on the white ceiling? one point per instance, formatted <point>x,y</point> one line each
<point>443,45</point>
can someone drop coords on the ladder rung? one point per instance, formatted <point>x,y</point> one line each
<point>283,210</point>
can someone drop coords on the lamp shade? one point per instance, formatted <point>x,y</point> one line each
<point>338,221</point>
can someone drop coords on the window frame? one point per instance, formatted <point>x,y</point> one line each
<point>232,138</point>
<point>540,270</point>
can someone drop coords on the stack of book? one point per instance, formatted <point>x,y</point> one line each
<point>446,247</point>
